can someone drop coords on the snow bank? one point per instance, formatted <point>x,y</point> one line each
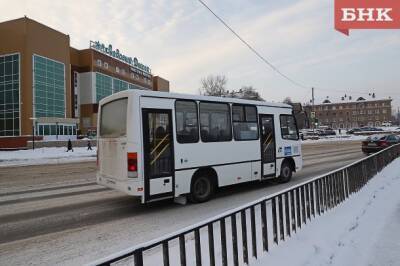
<point>46,156</point>
<point>335,138</point>
<point>364,230</point>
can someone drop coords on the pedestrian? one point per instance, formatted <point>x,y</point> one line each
<point>89,145</point>
<point>340,131</point>
<point>69,146</point>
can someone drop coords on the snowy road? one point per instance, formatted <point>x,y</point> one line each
<point>56,214</point>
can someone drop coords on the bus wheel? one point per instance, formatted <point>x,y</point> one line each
<point>202,189</point>
<point>286,172</point>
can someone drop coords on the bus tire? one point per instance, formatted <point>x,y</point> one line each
<point>202,189</point>
<point>286,172</point>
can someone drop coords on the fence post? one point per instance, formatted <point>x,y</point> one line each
<point>308,205</point>
<point>264,226</point>
<point>312,196</point>
<point>298,207</point>
<point>197,246</point>
<point>182,250</point>
<point>244,236</point>
<point>211,250</point>
<point>223,242</point>
<point>274,220</point>
<point>234,240</point>
<point>293,210</point>
<point>165,253</point>
<point>138,257</point>
<point>317,196</point>
<point>303,204</point>
<point>287,214</point>
<point>281,227</point>
<point>253,231</point>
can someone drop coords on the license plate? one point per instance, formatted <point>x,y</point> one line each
<point>371,144</point>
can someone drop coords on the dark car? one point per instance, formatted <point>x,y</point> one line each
<point>329,132</point>
<point>376,143</point>
<point>353,130</point>
<point>371,129</point>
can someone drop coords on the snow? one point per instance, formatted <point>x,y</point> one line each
<point>361,231</point>
<point>349,234</point>
<point>335,138</point>
<point>46,156</point>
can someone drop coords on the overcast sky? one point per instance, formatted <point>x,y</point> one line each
<point>182,42</point>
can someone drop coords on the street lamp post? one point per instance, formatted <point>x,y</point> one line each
<point>33,131</point>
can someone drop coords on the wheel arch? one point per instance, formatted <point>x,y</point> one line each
<point>291,162</point>
<point>207,171</point>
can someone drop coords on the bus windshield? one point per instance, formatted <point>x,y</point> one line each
<point>113,119</point>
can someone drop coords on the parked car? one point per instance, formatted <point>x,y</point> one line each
<point>371,129</point>
<point>309,135</point>
<point>353,130</point>
<point>329,132</point>
<point>376,143</point>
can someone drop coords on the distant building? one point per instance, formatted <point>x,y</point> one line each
<point>349,113</point>
<point>55,88</point>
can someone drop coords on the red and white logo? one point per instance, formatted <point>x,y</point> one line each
<point>366,14</point>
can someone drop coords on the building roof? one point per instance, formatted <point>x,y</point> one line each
<point>351,99</point>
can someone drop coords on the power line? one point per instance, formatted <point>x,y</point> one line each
<point>254,50</point>
<point>274,67</point>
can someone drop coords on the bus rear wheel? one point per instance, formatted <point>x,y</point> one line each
<point>286,173</point>
<point>202,189</point>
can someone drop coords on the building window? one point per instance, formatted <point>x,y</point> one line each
<point>187,129</point>
<point>9,95</point>
<point>103,86</point>
<point>123,71</point>
<point>244,122</point>
<point>215,122</point>
<point>377,111</point>
<point>384,111</point>
<point>288,127</point>
<point>117,69</point>
<point>98,62</point>
<point>136,87</point>
<point>49,87</point>
<point>105,65</point>
<point>119,85</point>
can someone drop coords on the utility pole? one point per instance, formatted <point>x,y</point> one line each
<point>313,110</point>
<point>398,116</point>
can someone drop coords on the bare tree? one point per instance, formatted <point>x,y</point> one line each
<point>214,85</point>
<point>246,92</point>
<point>250,93</point>
<point>287,100</point>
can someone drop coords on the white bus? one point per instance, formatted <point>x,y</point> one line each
<point>158,145</point>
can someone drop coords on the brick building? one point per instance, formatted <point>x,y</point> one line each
<point>348,113</point>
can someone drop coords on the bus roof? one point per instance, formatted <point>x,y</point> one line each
<point>169,95</point>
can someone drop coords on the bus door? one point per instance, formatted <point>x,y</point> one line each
<point>158,154</point>
<point>267,145</point>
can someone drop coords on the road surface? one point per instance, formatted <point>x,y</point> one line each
<point>57,214</point>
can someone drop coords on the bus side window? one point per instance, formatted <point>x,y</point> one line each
<point>288,127</point>
<point>244,122</point>
<point>187,128</point>
<point>215,122</point>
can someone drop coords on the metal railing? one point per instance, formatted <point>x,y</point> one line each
<point>286,210</point>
